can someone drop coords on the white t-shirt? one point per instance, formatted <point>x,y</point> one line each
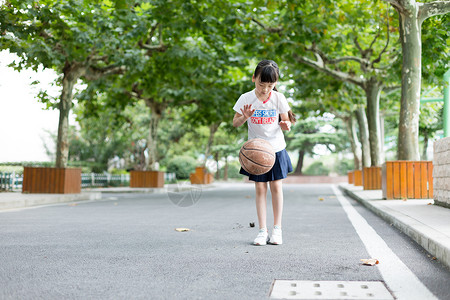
<point>264,121</point>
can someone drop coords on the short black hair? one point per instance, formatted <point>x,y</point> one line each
<point>267,71</point>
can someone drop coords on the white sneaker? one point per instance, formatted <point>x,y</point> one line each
<point>262,238</point>
<point>277,236</point>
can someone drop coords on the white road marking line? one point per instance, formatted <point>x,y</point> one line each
<point>397,276</point>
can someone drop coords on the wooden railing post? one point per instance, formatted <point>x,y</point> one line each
<point>372,178</point>
<point>407,180</point>
<point>358,178</point>
<point>201,176</point>
<point>51,180</point>
<point>149,179</point>
<point>350,176</point>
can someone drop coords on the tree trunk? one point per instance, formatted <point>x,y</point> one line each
<point>425,147</point>
<point>71,75</point>
<point>301,156</point>
<point>152,140</point>
<point>382,135</point>
<point>373,91</point>
<point>410,38</point>
<point>212,131</point>
<point>363,135</point>
<point>353,137</point>
<point>225,170</point>
<point>216,157</point>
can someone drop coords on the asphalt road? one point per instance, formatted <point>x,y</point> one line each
<point>125,247</point>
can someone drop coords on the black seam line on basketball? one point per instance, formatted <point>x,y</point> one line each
<point>255,161</point>
<point>259,150</point>
<point>242,164</point>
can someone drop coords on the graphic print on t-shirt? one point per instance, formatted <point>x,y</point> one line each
<point>264,116</point>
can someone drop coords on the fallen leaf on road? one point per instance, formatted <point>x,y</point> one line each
<point>252,224</point>
<point>321,199</point>
<point>430,203</point>
<point>248,197</point>
<point>73,204</point>
<point>404,199</point>
<point>370,261</point>
<point>182,229</point>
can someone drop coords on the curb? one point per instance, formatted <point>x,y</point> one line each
<point>18,200</point>
<point>436,243</point>
<point>166,189</point>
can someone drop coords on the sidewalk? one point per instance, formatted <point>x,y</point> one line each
<point>427,224</point>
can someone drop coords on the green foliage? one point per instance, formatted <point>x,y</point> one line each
<point>435,49</point>
<point>188,61</point>
<point>343,166</point>
<point>182,166</point>
<point>233,170</point>
<point>306,134</point>
<point>317,168</point>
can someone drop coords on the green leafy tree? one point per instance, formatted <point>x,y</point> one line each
<point>78,39</point>
<point>411,15</point>
<point>343,39</point>
<point>307,134</point>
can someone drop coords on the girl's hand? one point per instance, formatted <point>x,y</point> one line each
<point>285,125</point>
<point>247,112</point>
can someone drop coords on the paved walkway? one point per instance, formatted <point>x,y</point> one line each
<point>425,223</point>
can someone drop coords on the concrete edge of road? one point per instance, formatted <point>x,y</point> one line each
<point>17,200</point>
<point>431,240</point>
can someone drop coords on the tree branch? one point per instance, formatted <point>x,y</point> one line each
<point>432,9</point>
<point>268,29</point>
<point>151,32</point>
<point>320,66</point>
<point>151,48</point>
<point>374,39</point>
<point>159,48</point>
<point>323,59</point>
<point>355,40</point>
<point>345,58</point>
<point>397,5</point>
<point>390,89</point>
<point>378,59</point>
<point>94,73</point>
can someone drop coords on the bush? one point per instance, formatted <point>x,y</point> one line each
<point>233,170</point>
<point>342,167</point>
<point>182,166</point>
<point>317,168</point>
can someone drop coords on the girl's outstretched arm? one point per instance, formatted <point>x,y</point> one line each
<point>240,119</point>
<point>285,123</point>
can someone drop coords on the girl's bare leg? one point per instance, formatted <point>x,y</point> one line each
<point>276,189</point>
<point>261,203</point>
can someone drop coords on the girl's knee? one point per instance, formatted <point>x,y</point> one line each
<point>276,186</point>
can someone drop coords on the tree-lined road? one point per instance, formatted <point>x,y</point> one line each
<point>125,246</point>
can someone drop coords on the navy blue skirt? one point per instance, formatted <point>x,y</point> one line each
<point>280,169</point>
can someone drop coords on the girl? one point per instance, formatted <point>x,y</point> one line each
<point>261,108</point>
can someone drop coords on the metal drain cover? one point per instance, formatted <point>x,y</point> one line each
<point>330,290</point>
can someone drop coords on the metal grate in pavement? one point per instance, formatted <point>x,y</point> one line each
<point>330,290</point>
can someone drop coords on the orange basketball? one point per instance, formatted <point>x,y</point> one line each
<point>257,156</point>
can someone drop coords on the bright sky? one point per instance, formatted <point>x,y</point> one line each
<point>23,120</point>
